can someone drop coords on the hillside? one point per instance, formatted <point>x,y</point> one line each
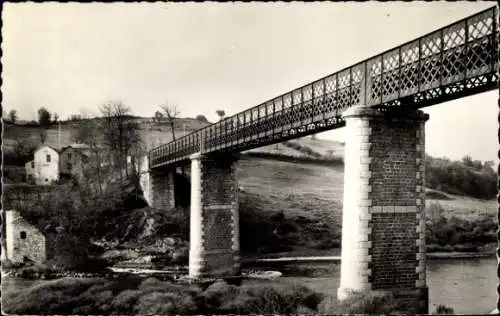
<point>152,133</point>
<point>317,191</point>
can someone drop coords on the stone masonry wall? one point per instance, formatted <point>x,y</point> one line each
<point>23,240</point>
<point>218,220</point>
<point>162,194</point>
<point>384,245</point>
<point>395,153</point>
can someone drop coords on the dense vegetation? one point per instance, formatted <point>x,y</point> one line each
<point>135,296</point>
<point>457,234</point>
<point>130,295</point>
<point>466,177</point>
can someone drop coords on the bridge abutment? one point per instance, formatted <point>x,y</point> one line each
<point>158,186</point>
<point>214,222</point>
<point>162,189</point>
<point>383,235</point>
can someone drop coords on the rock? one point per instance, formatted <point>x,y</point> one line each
<point>126,254</point>
<point>180,255</point>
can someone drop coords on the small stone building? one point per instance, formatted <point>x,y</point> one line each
<point>73,158</point>
<point>44,168</point>
<point>24,241</point>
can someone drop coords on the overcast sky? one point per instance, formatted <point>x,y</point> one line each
<point>231,56</point>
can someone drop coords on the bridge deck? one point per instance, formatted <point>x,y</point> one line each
<point>455,61</point>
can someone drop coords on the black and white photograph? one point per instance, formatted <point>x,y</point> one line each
<point>216,158</point>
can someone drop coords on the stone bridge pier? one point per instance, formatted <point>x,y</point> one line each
<point>158,186</point>
<point>214,217</point>
<point>383,221</point>
<point>214,220</point>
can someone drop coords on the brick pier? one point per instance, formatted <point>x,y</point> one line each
<point>383,235</point>
<point>214,221</point>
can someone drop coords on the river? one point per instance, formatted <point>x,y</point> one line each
<point>466,285</point>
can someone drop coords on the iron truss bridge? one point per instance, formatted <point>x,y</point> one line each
<point>458,60</point>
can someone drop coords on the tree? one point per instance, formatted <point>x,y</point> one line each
<point>13,116</point>
<point>201,118</point>
<point>171,112</point>
<point>158,116</point>
<point>75,117</point>
<point>221,113</point>
<point>43,136</point>
<point>55,118</point>
<point>23,150</point>
<point>43,116</point>
<point>88,132</point>
<point>120,133</point>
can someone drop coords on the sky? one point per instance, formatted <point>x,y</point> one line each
<point>208,56</point>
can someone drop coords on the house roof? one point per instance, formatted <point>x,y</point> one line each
<point>43,146</point>
<point>82,148</point>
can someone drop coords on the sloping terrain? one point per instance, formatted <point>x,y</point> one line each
<point>152,133</point>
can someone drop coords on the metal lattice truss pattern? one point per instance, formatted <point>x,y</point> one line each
<point>450,63</point>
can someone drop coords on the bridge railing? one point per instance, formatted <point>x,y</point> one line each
<point>457,60</point>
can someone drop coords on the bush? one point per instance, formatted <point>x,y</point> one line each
<point>52,297</point>
<point>443,310</point>
<point>202,118</point>
<point>151,296</point>
<point>457,234</point>
<point>362,303</point>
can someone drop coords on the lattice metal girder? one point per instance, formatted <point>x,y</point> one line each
<point>457,60</point>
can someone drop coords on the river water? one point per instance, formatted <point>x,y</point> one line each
<point>466,285</point>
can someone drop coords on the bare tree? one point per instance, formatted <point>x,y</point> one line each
<point>88,132</point>
<point>171,113</point>
<point>221,113</point>
<point>120,133</point>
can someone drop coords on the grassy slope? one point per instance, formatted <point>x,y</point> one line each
<point>317,191</point>
<point>325,148</point>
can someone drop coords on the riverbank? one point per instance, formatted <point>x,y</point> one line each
<point>304,255</point>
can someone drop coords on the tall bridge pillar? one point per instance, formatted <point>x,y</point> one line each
<point>383,235</point>
<point>214,222</point>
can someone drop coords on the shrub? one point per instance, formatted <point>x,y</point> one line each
<point>165,303</point>
<point>443,310</point>
<point>456,234</point>
<point>202,118</point>
<point>125,301</point>
<point>52,297</point>
<point>151,296</point>
<point>268,299</point>
<point>361,303</point>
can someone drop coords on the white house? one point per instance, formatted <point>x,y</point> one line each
<point>44,168</point>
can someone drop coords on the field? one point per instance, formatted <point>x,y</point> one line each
<point>317,191</point>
